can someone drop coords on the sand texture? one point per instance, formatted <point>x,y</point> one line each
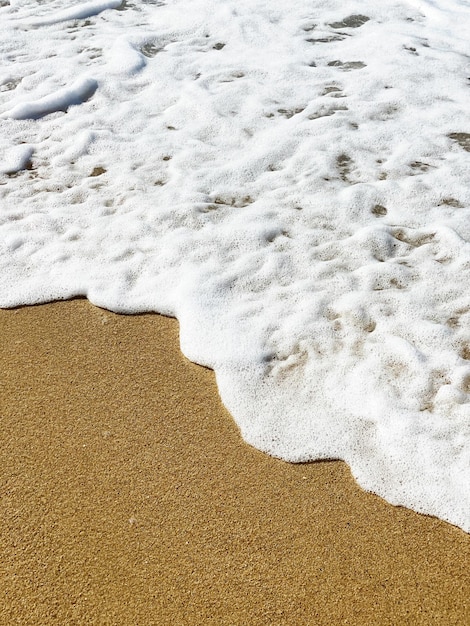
<point>129,498</point>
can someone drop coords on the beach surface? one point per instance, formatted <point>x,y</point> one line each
<point>129,497</point>
<point>291,182</point>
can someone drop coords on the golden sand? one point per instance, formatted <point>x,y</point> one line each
<point>129,498</point>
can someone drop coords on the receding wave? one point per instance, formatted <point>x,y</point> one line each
<point>291,181</point>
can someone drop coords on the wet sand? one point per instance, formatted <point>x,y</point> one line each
<point>129,498</point>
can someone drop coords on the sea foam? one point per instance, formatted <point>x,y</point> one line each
<point>291,181</point>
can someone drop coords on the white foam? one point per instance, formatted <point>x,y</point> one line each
<point>83,11</point>
<point>81,90</point>
<point>18,158</point>
<point>291,181</point>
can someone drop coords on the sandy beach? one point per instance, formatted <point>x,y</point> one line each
<point>129,497</point>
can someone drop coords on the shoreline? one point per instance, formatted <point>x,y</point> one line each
<point>128,496</point>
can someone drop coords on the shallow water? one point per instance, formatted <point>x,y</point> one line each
<point>292,183</point>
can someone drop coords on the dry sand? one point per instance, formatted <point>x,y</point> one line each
<point>128,497</point>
